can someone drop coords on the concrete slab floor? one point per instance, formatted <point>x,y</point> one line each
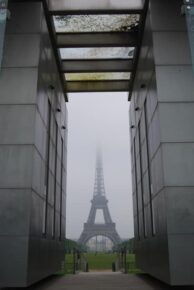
<point>102,281</point>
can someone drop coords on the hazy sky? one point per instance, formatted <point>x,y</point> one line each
<point>94,118</point>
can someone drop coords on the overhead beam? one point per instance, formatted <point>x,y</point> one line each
<point>86,6</point>
<point>51,30</point>
<point>63,12</point>
<point>97,86</point>
<point>100,65</point>
<point>138,49</point>
<point>116,39</point>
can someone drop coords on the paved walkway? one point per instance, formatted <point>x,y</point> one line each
<point>102,281</point>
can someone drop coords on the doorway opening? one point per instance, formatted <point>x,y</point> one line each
<point>99,118</point>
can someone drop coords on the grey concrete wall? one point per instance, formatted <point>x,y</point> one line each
<point>165,72</point>
<point>27,254</point>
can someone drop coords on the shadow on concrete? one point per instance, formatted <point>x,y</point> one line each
<point>120,281</point>
<point>43,284</point>
<point>157,284</point>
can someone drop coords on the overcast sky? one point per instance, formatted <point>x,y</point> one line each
<point>92,119</point>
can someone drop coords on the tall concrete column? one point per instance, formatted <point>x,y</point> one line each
<point>163,200</point>
<point>29,81</point>
<point>175,87</point>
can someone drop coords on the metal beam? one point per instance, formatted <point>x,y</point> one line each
<point>97,86</point>
<point>51,30</point>
<point>138,49</point>
<point>100,65</point>
<point>87,6</point>
<point>116,39</point>
<point>93,12</point>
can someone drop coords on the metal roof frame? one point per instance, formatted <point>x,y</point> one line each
<point>60,40</point>
<point>97,39</point>
<point>97,65</point>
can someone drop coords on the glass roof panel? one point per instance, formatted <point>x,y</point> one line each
<point>95,5</point>
<point>97,53</point>
<point>95,23</point>
<point>97,76</point>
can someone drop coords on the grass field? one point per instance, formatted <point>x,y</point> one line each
<point>131,265</point>
<point>100,261</point>
<point>69,258</point>
<point>130,258</point>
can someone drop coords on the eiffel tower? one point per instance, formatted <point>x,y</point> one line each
<point>99,201</point>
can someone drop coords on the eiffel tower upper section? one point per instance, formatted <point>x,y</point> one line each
<point>99,200</point>
<point>99,188</point>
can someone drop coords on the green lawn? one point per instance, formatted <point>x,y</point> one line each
<point>69,258</point>
<point>103,261</point>
<point>130,258</point>
<point>131,265</point>
<point>68,269</point>
<point>100,261</point>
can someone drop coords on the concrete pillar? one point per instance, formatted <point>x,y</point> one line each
<point>165,81</point>
<point>28,72</point>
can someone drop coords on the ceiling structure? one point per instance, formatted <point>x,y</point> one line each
<point>96,43</point>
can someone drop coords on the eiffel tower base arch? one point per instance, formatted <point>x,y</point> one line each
<point>106,230</point>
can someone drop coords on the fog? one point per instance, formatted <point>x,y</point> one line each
<point>93,119</point>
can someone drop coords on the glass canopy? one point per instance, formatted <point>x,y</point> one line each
<point>95,23</point>
<point>97,76</point>
<point>97,53</point>
<point>97,42</point>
